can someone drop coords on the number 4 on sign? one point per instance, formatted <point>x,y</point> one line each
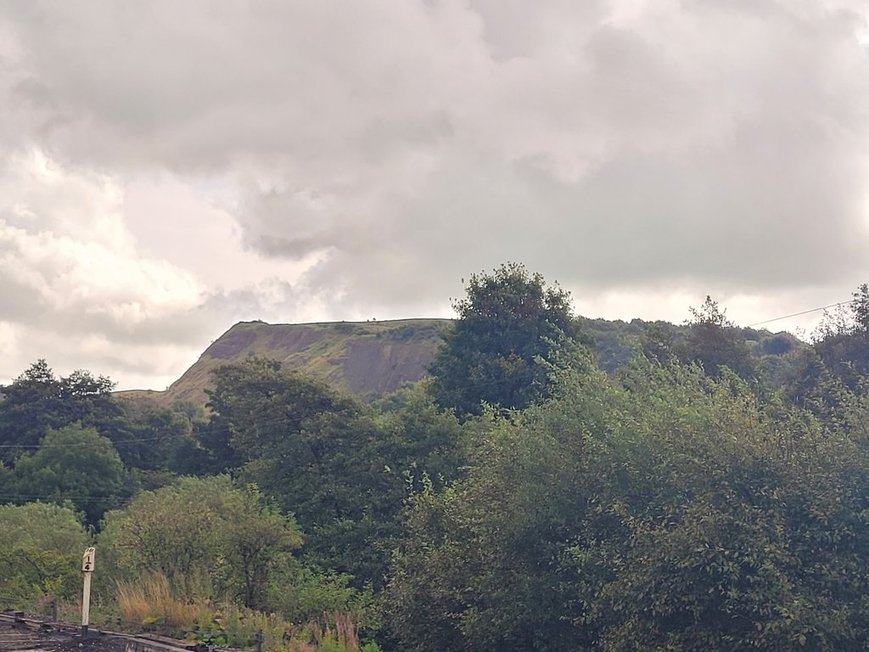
<point>87,561</point>
<point>87,567</point>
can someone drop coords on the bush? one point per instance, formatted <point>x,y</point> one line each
<point>40,554</point>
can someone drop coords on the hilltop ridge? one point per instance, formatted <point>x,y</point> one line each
<point>373,358</point>
<point>368,359</point>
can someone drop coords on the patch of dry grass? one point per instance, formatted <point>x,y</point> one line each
<point>152,603</point>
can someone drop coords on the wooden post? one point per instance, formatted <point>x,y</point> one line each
<point>87,567</point>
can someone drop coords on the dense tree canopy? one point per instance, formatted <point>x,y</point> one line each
<point>511,328</point>
<point>328,459</point>
<point>73,465</point>
<point>663,511</point>
<point>38,400</point>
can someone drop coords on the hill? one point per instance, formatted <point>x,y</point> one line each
<point>373,358</point>
<point>364,358</point>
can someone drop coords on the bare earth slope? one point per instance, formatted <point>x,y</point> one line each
<point>364,358</point>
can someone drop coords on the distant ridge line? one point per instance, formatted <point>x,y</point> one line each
<point>341,321</point>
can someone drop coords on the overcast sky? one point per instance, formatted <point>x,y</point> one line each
<point>168,168</point>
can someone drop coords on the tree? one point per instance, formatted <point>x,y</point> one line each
<point>340,467</point>
<point>75,465</point>
<point>157,439</point>
<point>38,400</point>
<point>201,528</point>
<point>511,328</point>
<point>663,509</point>
<point>316,453</point>
<point>260,404</point>
<point>40,553</point>
<point>419,440</point>
<point>715,342</point>
<point>842,340</point>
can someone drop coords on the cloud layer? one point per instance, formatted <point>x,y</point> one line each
<point>344,160</point>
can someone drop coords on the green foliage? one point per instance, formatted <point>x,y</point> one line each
<point>712,521</point>
<point>477,570</point>
<point>510,325</point>
<point>258,392</point>
<point>73,465</point>
<point>714,342</point>
<point>40,553</point>
<point>842,340</point>
<point>669,505</point>
<point>419,440</point>
<point>229,626</point>
<point>151,605</point>
<point>338,467</point>
<point>203,535</point>
<point>153,438</point>
<point>300,593</point>
<point>667,510</point>
<point>7,486</point>
<point>37,401</point>
<point>307,446</point>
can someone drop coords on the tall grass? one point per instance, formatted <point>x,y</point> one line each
<point>151,604</point>
<point>343,636</point>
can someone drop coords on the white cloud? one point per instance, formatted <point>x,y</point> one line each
<point>323,159</point>
<point>70,268</point>
<point>62,237</point>
<point>83,289</point>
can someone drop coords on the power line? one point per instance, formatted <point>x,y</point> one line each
<point>281,419</point>
<point>17,497</point>
<point>802,312</point>
<point>119,441</point>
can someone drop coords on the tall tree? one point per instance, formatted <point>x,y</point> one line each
<point>38,400</point>
<point>842,340</point>
<point>73,465</point>
<point>511,327</point>
<point>318,454</point>
<point>715,342</point>
<point>342,468</point>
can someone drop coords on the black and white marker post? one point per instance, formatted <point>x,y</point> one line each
<point>87,567</point>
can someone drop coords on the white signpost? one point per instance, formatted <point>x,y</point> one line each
<point>87,567</point>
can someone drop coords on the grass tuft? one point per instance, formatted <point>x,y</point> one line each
<point>151,603</point>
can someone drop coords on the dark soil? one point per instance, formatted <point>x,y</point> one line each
<point>18,637</point>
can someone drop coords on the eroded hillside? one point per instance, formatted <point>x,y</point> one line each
<point>364,358</point>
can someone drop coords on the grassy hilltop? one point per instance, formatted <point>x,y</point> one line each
<point>364,358</point>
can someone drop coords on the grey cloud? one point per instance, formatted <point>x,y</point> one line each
<point>608,144</point>
<point>728,163</point>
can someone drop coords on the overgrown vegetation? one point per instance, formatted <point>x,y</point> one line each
<point>710,492</point>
